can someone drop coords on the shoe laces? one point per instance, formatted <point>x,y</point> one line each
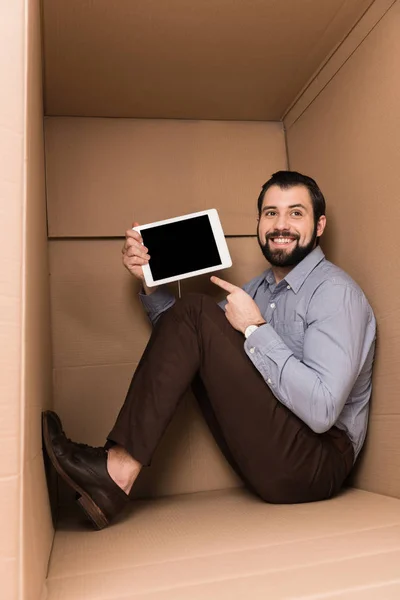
<point>94,450</point>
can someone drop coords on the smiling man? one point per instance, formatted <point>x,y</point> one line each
<point>289,223</point>
<point>282,373</point>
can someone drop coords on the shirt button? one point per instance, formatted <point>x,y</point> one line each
<point>273,305</point>
<point>252,350</point>
<point>269,380</point>
<point>288,287</point>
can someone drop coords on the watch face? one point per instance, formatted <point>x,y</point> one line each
<point>249,330</point>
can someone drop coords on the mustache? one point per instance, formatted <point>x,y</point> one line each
<point>284,233</point>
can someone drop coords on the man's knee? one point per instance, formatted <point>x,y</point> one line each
<point>195,301</point>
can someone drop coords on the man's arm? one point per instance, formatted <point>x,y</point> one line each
<point>155,300</point>
<point>317,387</point>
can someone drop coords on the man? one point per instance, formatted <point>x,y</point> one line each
<point>283,376</point>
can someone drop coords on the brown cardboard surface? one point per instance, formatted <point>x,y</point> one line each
<point>104,173</point>
<point>382,568</point>
<point>9,540</point>
<point>379,465</point>
<point>387,590</point>
<point>199,60</point>
<point>224,544</point>
<point>88,399</point>
<point>385,398</point>
<point>12,51</point>
<point>355,161</point>
<point>97,317</point>
<point>326,72</point>
<point>238,578</point>
<point>37,531</point>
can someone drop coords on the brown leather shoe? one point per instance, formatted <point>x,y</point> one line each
<point>84,468</point>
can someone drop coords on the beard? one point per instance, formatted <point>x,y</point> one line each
<point>282,258</point>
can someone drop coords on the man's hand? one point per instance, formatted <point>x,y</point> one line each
<point>241,310</point>
<point>134,255</point>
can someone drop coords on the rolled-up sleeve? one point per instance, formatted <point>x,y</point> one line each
<point>156,303</point>
<point>316,387</point>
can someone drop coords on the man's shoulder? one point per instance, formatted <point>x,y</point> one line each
<point>333,282</point>
<point>330,274</point>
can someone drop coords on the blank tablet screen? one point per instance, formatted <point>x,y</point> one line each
<point>181,247</point>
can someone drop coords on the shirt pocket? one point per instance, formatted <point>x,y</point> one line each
<point>292,334</point>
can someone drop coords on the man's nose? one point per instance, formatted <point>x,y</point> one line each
<point>282,223</point>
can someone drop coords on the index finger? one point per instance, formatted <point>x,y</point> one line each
<point>225,285</point>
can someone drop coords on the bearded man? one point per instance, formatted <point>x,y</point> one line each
<point>282,373</point>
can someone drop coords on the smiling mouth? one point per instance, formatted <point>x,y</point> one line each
<point>282,241</point>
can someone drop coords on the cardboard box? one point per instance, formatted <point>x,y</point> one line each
<point>151,110</point>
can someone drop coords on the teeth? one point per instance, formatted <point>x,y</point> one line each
<point>282,240</point>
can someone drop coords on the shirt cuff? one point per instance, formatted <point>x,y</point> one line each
<point>264,337</point>
<point>269,354</point>
<point>158,301</point>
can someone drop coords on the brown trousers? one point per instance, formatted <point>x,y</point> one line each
<point>277,455</point>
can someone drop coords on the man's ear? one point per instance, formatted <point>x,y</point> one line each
<point>321,225</point>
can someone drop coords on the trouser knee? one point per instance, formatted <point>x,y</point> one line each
<point>194,301</point>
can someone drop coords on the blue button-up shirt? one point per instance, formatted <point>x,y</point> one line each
<point>317,348</point>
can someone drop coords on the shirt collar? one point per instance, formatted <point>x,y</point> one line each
<point>300,272</point>
<point>270,278</point>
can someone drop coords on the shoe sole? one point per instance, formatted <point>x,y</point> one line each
<point>90,508</point>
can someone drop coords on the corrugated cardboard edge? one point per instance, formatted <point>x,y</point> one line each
<point>36,534</point>
<point>336,60</point>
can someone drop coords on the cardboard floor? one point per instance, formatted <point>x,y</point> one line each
<point>229,544</point>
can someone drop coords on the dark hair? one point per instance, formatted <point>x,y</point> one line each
<point>288,179</point>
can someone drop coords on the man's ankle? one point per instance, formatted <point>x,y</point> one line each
<point>122,468</point>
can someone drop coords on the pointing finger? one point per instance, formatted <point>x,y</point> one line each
<point>225,285</point>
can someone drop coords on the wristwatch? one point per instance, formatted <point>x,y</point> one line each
<point>251,328</point>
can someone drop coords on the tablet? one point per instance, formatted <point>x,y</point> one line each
<point>183,247</point>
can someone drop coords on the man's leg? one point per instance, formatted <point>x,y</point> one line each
<point>276,454</point>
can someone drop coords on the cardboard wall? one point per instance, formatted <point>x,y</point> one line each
<point>37,531</point>
<point>12,48</point>
<point>347,138</point>
<point>102,173</point>
<point>229,59</point>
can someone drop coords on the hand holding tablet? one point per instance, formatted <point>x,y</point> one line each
<point>183,247</point>
<point>134,253</point>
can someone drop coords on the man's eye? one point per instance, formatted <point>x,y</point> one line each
<point>297,213</point>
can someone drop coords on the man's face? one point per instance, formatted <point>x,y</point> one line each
<point>287,231</point>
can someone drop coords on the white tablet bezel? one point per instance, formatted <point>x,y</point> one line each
<point>219,238</point>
